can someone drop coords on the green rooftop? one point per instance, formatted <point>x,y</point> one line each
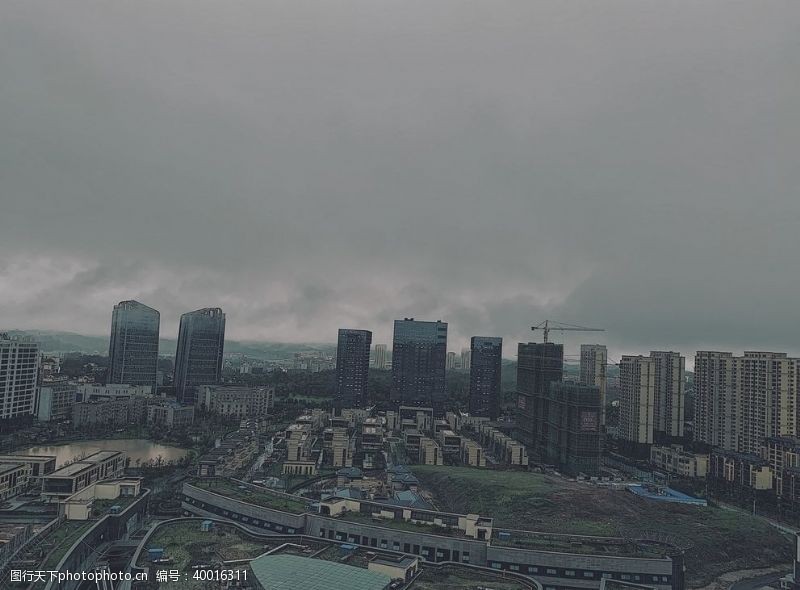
<point>253,495</point>
<point>291,572</point>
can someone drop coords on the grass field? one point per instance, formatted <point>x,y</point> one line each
<point>721,540</point>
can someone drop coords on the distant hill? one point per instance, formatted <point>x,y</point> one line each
<point>52,341</point>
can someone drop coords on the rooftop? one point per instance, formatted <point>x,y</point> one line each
<point>253,495</point>
<point>291,572</point>
<point>28,458</point>
<point>6,467</point>
<point>395,560</point>
<point>84,464</point>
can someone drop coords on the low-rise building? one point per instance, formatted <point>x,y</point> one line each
<point>90,391</point>
<point>278,572</point>
<point>372,434</point>
<point>64,482</point>
<point>397,567</point>
<point>430,453</point>
<point>55,400</point>
<point>415,418</point>
<point>355,416</point>
<point>449,441</point>
<point>340,447</point>
<point>461,420</point>
<point>170,414</point>
<point>119,411</point>
<point>676,461</point>
<point>412,440</point>
<point>13,479</point>
<point>400,477</point>
<point>306,468</point>
<point>442,538</point>
<point>80,504</point>
<point>501,446</point>
<point>12,539</point>
<point>38,465</point>
<point>242,402</point>
<point>739,472</point>
<point>472,453</point>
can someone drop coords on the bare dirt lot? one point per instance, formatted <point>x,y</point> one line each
<point>718,540</point>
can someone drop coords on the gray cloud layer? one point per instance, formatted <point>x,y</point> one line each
<point>312,165</point>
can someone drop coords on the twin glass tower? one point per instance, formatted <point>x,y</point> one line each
<point>133,349</point>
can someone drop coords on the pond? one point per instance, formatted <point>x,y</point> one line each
<point>136,448</point>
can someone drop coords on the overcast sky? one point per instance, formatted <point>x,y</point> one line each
<point>632,165</point>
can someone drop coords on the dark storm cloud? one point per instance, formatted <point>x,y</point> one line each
<point>306,166</point>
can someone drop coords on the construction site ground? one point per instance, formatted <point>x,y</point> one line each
<point>716,540</point>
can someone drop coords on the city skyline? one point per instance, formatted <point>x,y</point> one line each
<point>571,356</point>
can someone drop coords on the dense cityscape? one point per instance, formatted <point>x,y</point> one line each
<point>410,465</point>
<point>399,295</point>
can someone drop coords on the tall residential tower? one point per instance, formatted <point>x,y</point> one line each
<point>740,401</point>
<point>637,383</point>
<point>670,392</point>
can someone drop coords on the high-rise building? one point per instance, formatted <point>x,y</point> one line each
<point>538,365</point>
<point>716,411</point>
<point>594,360</point>
<point>381,358</point>
<point>466,361</point>
<point>19,369</point>
<point>198,359</point>
<point>418,363</point>
<point>451,360</point>
<point>740,401</point>
<point>484,376</point>
<point>637,383</point>
<point>670,390</point>
<point>133,350</point>
<point>569,426</point>
<point>352,367</point>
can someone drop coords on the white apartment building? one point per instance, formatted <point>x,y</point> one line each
<point>740,401</point>
<point>637,381</point>
<point>19,369</point>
